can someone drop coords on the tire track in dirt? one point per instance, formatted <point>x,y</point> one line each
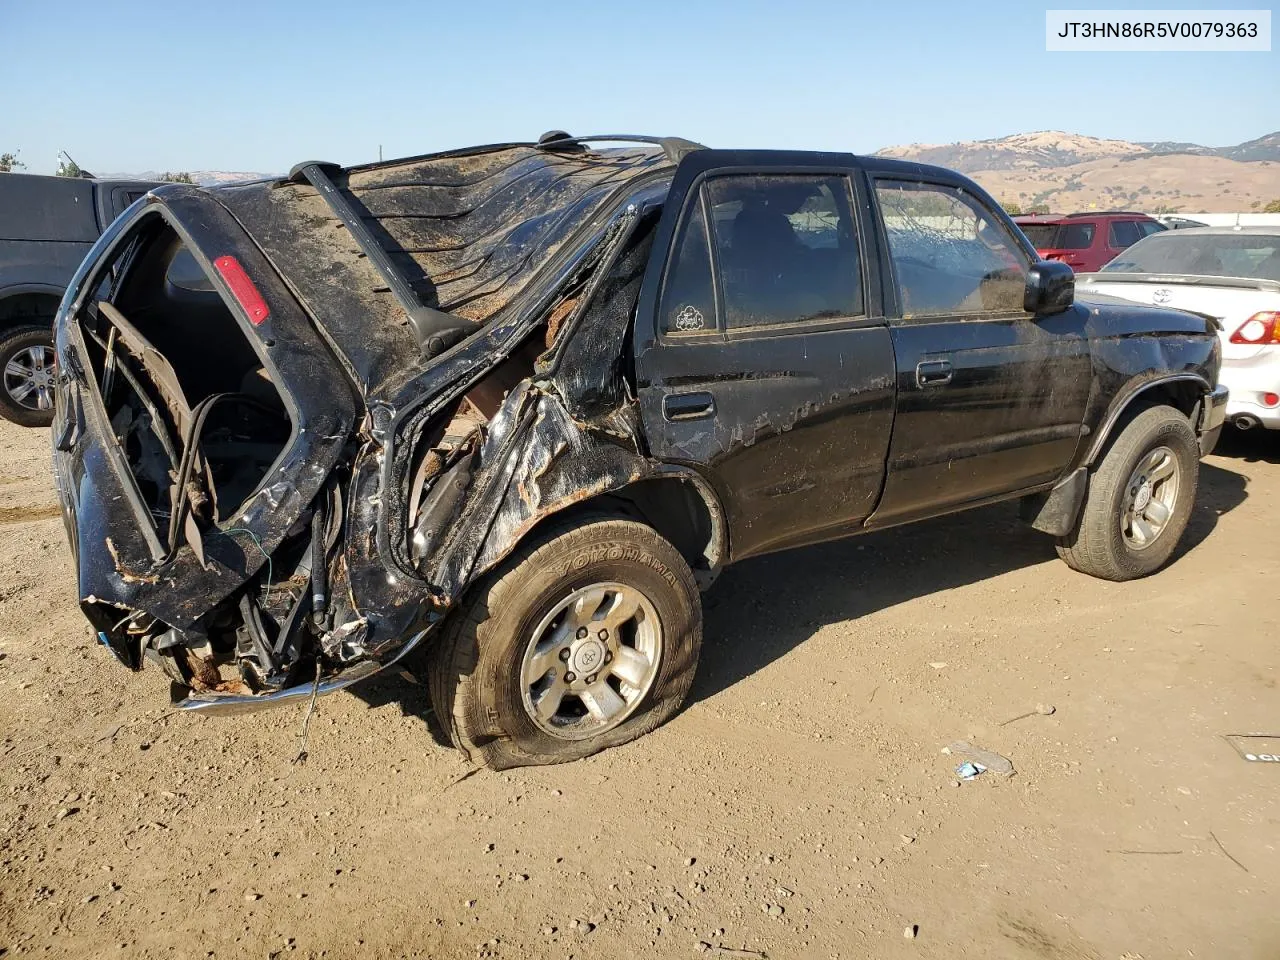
<point>28,514</point>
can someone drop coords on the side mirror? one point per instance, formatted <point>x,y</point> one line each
<point>1051,287</point>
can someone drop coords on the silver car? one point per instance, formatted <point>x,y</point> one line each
<point>1229,273</point>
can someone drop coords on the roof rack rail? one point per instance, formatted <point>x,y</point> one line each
<point>436,330</point>
<point>675,148</point>
<point>1108,213</point>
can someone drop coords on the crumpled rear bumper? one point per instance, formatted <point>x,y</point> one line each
<point>222,703</point>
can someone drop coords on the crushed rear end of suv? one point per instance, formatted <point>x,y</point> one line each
<point>231,446</point>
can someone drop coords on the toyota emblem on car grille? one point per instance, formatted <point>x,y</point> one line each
<point>1161,296</point>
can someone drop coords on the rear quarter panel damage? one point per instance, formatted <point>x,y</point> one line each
<point>567,432</point>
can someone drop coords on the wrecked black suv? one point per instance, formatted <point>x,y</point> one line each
<point>520,403</point>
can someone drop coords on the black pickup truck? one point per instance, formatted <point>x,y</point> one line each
<point>47,225</point>
<point>520,403</point>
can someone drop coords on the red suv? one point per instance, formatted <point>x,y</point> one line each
<point>1086,241</point>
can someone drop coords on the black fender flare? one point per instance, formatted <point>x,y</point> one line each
<point>25,289</point>
<point>1118,408</point>
<point>16,289</point>
<point>1055,511</point>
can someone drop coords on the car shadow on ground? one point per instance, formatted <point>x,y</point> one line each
<point>1253,446</point>
<point>761,609</point>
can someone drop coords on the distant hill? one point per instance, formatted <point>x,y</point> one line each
<point>1048,148</point>
<point>1263,148</point>
<point>1072,172</point>
<point>206,178</point>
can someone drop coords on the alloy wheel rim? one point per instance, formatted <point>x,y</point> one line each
<point>591,661</point>
<point>28,378</point>
<point>1149,498</point>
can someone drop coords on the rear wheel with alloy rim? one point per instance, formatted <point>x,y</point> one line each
<point>584,639</point>
<point>592,660</point>
<point>27,376</point>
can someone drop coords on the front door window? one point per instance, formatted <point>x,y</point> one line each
<point>950,256</point>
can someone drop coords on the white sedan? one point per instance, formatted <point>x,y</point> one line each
<point>1229,273</point>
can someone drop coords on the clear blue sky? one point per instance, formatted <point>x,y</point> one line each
<point>256,86</point>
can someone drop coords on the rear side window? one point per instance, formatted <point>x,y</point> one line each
<point>688,298</point>
<point>1075,236</point>
<point>1059,236</point>
<point>185,274</point>
<point>785,252</point>
<point>1123,233</point>
<point>951,256</point>
<point>1043,236</point>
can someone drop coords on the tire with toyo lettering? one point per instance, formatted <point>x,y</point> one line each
<point>585,638</point>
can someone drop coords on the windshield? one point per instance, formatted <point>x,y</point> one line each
<point>1253,256</point>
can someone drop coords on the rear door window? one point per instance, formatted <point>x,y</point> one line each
<point>786,248</point>
<point>764,251</point>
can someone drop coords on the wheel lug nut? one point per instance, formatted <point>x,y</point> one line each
<point>564,654</point>
<point>591,679</point>
<point>603,634</point>
<point>608,657</point>
<point>582,632</point>
<point>570,677</point>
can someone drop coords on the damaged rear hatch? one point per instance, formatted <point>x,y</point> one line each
<point>254,380</point>
<point>199,419</point>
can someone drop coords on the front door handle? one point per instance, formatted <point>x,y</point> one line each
<point>933,373</point>
<point>687,406</point>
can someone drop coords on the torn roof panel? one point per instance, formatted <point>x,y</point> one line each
<point>469,231</point>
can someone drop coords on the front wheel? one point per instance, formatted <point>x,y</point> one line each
<point>1139,500</point>
<point>581,641</point>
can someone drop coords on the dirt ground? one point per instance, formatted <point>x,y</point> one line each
<point>799,806</point>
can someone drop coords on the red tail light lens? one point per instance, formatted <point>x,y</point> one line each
<point>1271,399</point>
<point>242,289</point>
<point>1262,327</point>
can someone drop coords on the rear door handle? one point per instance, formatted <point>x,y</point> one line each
<point>688,406</point>
<point>933,373</point>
